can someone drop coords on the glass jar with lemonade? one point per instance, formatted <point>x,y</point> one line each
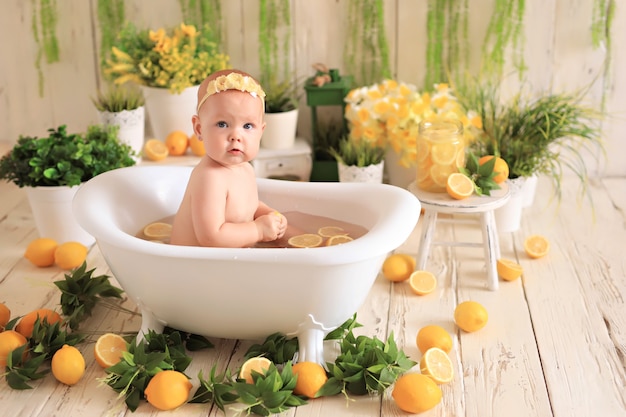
<point>440,152</point>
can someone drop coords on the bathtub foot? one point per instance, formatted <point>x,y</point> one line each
<point>311,341</point>
<point>149,322</point>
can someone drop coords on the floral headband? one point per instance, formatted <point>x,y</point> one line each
<point>233,81</point>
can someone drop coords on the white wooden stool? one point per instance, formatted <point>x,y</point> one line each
<point>435,203</point>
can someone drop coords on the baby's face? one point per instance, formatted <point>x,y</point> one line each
<point>230,125</point>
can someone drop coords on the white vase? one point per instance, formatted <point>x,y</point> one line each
<point>509,216</point>
<point>397,174</point>
<point>167,111</point>
<point>529,190</point>
<point>53,214</point>
<point>131,125</point>
<point>280,130</point>
<point>370,174</point>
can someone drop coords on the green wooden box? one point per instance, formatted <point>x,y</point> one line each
<point>330,94</point>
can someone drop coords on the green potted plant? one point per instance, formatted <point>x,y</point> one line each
<point>547,135</point>
<point>169,64</point>
<point>123,106</point>
<point>359,161</point>
<point>52,169</point>
<point>281,114</point>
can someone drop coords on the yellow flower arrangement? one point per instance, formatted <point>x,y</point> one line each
<point>388,115</point>
<point>175,59</point>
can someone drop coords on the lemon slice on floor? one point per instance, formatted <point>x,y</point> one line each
<point>306,240</point>
<point>158,230</point>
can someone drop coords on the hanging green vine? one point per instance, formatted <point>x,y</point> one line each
<point>602,22</point>
<point>274,27</point>
<point>44,25</point>
<point>366,53</point>
<point>504,30</point>
<point>201,12</point>
<point>446,27</point>
<point>111,19</point>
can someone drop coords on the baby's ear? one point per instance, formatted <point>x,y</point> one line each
<point>197,126</point>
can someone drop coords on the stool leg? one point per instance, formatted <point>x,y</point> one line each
<point>490,243</point>
<point>426,238</point>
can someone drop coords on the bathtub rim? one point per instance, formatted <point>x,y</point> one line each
<point>402,207</point>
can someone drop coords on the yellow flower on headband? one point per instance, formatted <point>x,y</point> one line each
<point>233,81</point>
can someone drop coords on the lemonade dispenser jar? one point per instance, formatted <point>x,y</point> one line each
<point>440,152</point>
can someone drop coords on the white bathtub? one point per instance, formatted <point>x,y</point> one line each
<point>245,293</point>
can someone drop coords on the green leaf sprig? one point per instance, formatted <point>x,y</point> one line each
<point>25,363</point>
<point>365,366</point>
<point>277,347</point>
<point>81,291</point>
<point>482,175</point>
<point>270,392</point>
<point>144,359</point>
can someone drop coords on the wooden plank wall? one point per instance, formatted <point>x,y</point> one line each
<point>558,52</point>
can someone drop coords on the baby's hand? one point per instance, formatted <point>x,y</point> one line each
<point>271,226</point>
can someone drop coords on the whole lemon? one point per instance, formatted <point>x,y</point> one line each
<point>311,377</point>
<point>40,252</point>
<point>168,390</point>
<point>470,316</point>
<point>416,393</point>
<point>70,255</point>
<point>398,267</point>
<point>9,341</point>
<point>433,336</point>
<point>68,365</point>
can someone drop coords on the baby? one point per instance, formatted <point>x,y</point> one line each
<point>221,207</point>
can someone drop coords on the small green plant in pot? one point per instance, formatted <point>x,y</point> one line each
<point>359,161</point>
<point>117,98</point>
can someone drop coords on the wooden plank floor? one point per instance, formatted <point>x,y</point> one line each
<point>555,344</point>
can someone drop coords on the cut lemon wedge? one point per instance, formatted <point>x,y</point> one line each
<point>508,270</point>
<point>437,365</point>
<point>108,349</point>
<point>459,186</point>
<point>536,246</point>
<point>155,150</point>
<point>258,364</point>
<point>422,282</point>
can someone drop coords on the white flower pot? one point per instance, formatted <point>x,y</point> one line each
<point>369,174</point>
<point>509,216</point>
<point>167,111</point>
<point>131,126</point>
<point>53,214</point>
<point>529,190</point>
<point>397,174</point>
<point>280,130</point>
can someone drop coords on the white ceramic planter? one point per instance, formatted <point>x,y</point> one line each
<point>53,214</point>
<point>131,125</point>
<point>167,112</point>
<point>509,216</point>
<point>397,174</point>
<point>529,190</point>
<point>280,130</point>
<point>370,173</point>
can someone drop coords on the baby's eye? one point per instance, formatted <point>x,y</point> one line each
<point>222,124</point>
<point>248,126</point>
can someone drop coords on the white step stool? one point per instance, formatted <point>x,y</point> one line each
<point>435,203</point>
